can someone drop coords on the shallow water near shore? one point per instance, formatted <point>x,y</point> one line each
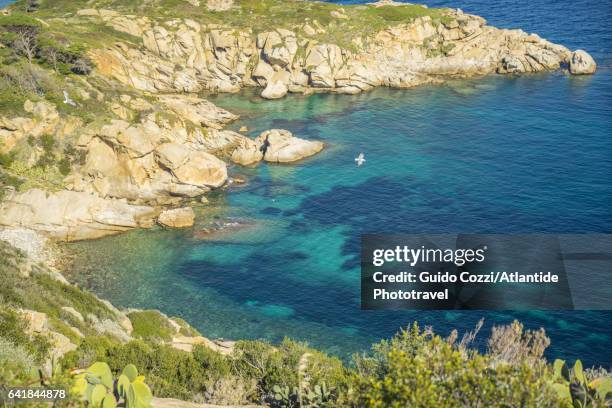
<point>529,154</point>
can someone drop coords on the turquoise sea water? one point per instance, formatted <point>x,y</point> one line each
<point>496,155</point>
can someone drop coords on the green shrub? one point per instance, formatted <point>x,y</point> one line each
<point>6,159</point>
<point>90,350</point>
<point>291,365</point>
<point>18,20</point>
<point>14,330</point>
<point>420,369</point>
<point>575,387</point>
<point>186,329</point>
<point>151,325</point>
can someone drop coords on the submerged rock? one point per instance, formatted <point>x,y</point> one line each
<point>177,217</point>
<point>582,63</point>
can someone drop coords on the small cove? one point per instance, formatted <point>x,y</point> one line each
<point>496,154</point>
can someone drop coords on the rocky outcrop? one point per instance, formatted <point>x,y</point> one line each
<point>184,55</point>
<point>37,323</point>
<point>276,146</point>
<point>192,167</point>
<point>150,161</point>
<point>198,111</point>
<point>30,242</point>
<point>247,152</point>
<point>186,343</point>
<point>275,90</point>
<point>42,119</point>
<point>70,215</point>
<point>177,217</point>
<point>582,63</point>
<point>280,146</point>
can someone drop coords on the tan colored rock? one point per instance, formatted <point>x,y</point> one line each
<point>108,326</point>
<point>88,13</point>
<point>121,111</point>
<point>71,215</point>
<point>280,146</point>
<point>183,57</point>
<point>36,322</point>
<point>274,90</point>
<point>219,5</point>
<point>177,217</point>
<point>125,323</point>
<point>74,313</point>
<point>139,139</point>
<point>198,111</point>
<point>186,343</point>
<point>196,168</point>
<point>582,63</point>
<point>247,152</point>
<point>339,14</point>
<point>27,240</point>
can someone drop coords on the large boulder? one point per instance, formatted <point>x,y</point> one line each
<point>247,152</point>
<point>192,167</point>
<point>177,217</point>
<point>70,215</point>
<point>582,63</point>
<point>280,146</point>
<point>274,90</point>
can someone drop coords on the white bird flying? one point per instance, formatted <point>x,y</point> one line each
<point>67,99</point>
<point>360,159</point>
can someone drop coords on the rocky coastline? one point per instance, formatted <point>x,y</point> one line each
<point>104,129</point>
<point>153,145</point>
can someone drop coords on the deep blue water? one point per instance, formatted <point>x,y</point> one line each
<point>530,154</point>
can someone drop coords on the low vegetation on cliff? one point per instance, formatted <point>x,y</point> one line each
<point>50,330</point>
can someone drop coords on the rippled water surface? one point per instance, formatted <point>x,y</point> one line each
<point>496,155</point>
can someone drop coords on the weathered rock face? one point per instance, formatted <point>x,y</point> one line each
<point>582,63</point>
<point>70,215</point>
<point>198,111</point>
<point>155,160</point>
<point>280,146</point>
<point>275,90</point>
<point>37,324</point>
<point>276,145</point>
<point>43,119</point>
<point>191,167</point>
<point>177,217</point>
<point>183,55</point>
<point>247,152</point>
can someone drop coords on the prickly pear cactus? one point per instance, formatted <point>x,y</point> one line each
<point>574,387</point>
<point>97,387</point>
